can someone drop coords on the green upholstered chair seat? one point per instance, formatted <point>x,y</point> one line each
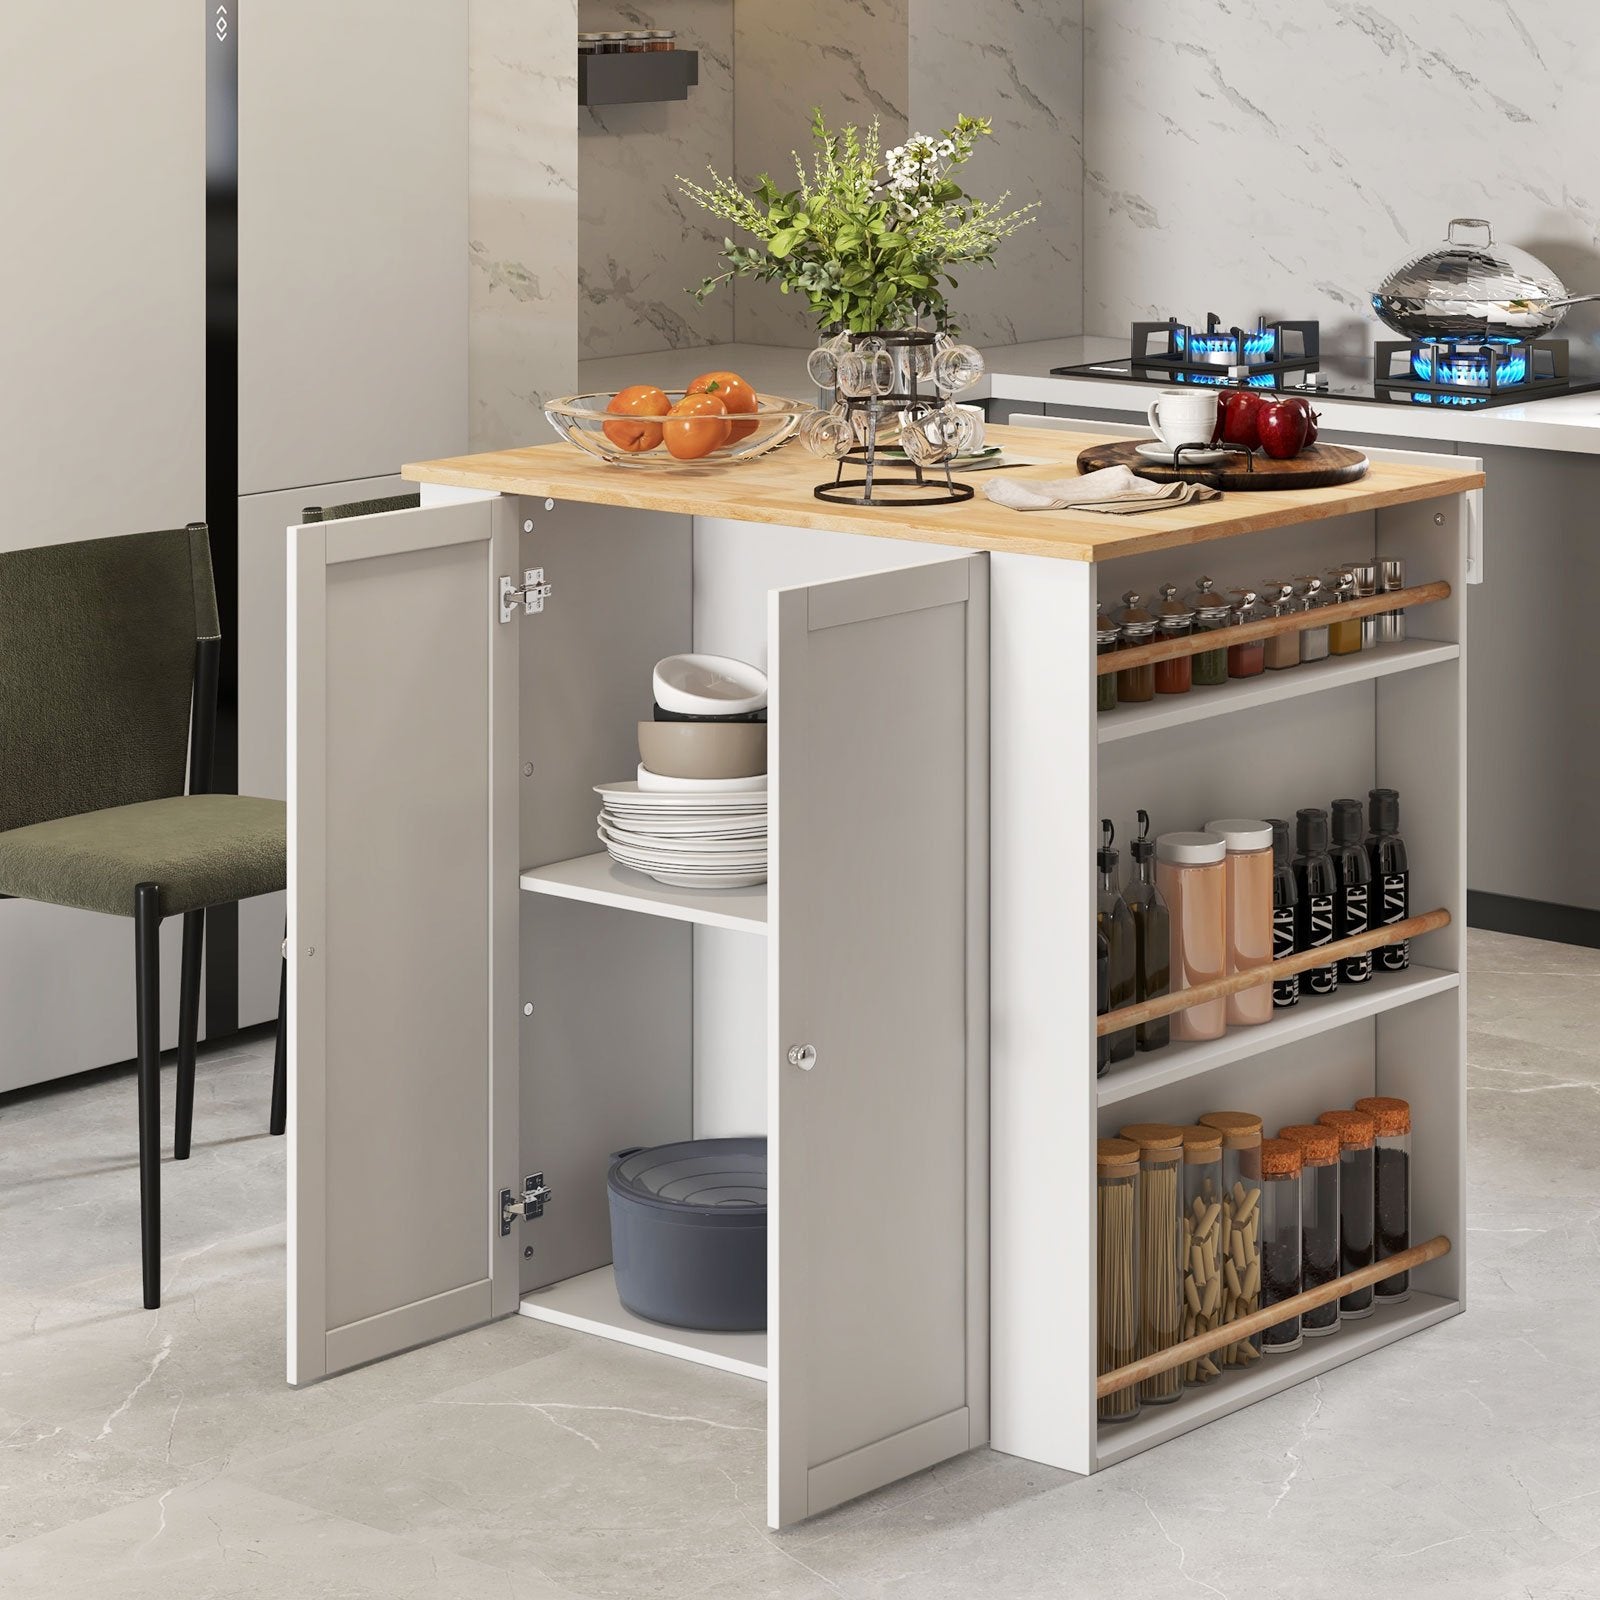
<point>203,850</point>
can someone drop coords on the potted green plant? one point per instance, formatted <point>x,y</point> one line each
<point>869,238</point>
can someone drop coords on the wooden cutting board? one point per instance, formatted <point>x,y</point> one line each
<point>1318,466</point>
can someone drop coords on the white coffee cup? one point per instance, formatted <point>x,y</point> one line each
<point>1184,416</point>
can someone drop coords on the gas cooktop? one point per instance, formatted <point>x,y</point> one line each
<point>1458,373</point>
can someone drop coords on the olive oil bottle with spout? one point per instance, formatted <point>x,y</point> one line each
<point>1152,927</point>
<point>1115,921</point>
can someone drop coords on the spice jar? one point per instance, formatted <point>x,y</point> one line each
<point>1210,615</point>
<point>1356,1134</point>
<point>1105,644</point>
<point>1391,1119</point>
<point>1193,881</point>
<point>609,44</point>
<point>1248,912</point>
<point>1249,659</point>
<point>588,44</point>
<point>1280,1238</point>
<point>1136,627</point>
<point>1152,927</point>
<point>1283,649</point>
<point>1160,1232</point>
<point>1344,638</point>
<point>636,42</point>
<point>662,39</point>
<point>1313,641</point>
<point>1319,1217</point>
<point>1117,1167</point>
<point>1175,620</point>
<point>1366,576</point>
<point>1390,625</point>
<point>1202,1250</point>
<point>1240,1223</point>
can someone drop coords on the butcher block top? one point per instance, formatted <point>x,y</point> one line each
<point>777,489</point>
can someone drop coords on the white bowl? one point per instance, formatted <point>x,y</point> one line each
<point>708,686</point>
<point>649,780</point>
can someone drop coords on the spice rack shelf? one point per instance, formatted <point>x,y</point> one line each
<point>600,881</point>
<point>1314,1015</point>
<point>637,77</point>
<point>589,1304</point>
<point>1271,1375</point>
<point>1269,688</point>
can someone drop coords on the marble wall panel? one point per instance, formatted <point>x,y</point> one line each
<point>851,58</point>
<point>523,216</point>
<point>1019,63</point>
<point>1254,157</point>
<point>642,246</point>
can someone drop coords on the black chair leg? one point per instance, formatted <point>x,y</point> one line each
<point>194,935</point>
<point>280,1057</point>
<point>147,976</point>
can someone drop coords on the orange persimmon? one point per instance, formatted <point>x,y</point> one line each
<point>736,395</point>
<point>637,400</point>
<point>697,425</point>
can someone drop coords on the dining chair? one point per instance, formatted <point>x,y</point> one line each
<point>109,660</point>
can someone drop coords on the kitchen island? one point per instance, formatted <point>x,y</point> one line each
<point>481,999</point>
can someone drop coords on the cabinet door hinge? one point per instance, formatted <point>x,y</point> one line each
<point>531,1205</point>
<point>531,594</point>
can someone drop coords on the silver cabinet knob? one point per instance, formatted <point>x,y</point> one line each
<point>803,1056</point>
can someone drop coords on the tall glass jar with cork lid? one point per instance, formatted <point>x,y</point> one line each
<point>1280,1239</point>
<point>1160,1236</point>
<point>1391,1120</point>
<point>1117,1163</point>
<point>1202,1248</point>
<point>1241,1225</point>
<point>1319,1218</point>
<point>1356,1134</point>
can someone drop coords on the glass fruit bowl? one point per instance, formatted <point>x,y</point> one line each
<point>629,439</point>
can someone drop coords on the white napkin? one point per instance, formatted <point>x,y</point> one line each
<point>1118,491</point>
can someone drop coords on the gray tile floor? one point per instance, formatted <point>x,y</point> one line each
<point>146,1455</point>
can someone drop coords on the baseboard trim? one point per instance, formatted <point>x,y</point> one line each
<point>1533,919</point>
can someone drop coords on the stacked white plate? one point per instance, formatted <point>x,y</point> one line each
<point>698,834</point>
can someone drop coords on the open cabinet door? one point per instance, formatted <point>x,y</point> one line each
<point>878,1094</point>
<point>402,931</point>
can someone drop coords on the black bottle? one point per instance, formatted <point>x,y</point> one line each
<point>1352,901</point>
<point>1391,877</point>
<point>1115,921</point>
<point>1285,897</point>
<point>1314,878</point>
<point>1152,927</point>
<point>1102,1004</point>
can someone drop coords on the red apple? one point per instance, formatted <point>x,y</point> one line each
<point>1236,417</point>
<point>1281,425</point>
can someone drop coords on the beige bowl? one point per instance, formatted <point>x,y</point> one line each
<point>704,749</point>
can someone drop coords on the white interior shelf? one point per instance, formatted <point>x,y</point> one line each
<point>599,880</point>
<point>1270,1375</point>
<point>1314,1014</point>
<point>1266,688</point>
<point>589,1304</point>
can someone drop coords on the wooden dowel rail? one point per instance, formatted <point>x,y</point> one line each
<point>1181,999</point>
<point>1194,644</point>
<point>1203,1344</point>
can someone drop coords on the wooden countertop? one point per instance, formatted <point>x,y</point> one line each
<point>777,489</point>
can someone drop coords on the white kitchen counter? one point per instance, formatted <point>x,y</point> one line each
<point>1021,373</point>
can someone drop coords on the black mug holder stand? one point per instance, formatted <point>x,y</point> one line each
<point>920,486</point>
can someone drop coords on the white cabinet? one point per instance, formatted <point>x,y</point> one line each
<point>435,752</point>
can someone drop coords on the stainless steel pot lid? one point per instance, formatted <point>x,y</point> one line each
<point>726,1174</point>
<point>1472,287</point>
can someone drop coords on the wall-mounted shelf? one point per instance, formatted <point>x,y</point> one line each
<point>636,77</point>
